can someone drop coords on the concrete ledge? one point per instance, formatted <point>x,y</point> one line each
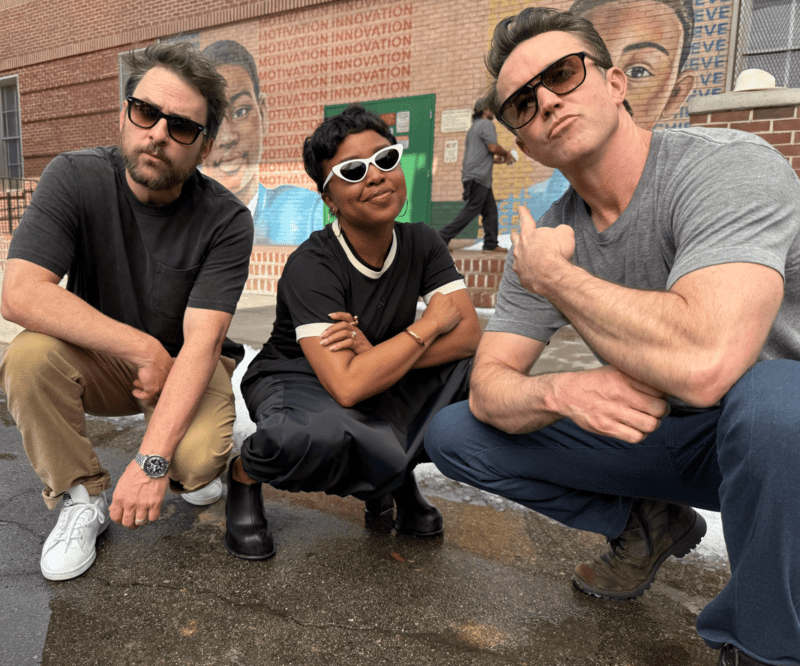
<point>746,99</point>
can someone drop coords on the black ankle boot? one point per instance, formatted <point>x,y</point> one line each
<point>379,506</point>
<point>415,515</point>
<point>247,532</point>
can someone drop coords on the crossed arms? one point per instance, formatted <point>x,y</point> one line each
<point>692,341</point>
<point>351,369</point>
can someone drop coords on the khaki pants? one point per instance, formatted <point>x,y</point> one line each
<point>50,385</point>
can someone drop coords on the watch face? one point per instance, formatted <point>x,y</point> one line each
<point>155,466</point>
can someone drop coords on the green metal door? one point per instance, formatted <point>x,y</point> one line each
<point>411,121</point>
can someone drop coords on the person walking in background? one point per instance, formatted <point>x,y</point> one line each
<point>481,151</point>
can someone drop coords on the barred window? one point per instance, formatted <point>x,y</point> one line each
<point>769,39</point>
<point>10,130</point>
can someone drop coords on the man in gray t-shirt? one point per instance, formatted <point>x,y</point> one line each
<point>676,256</point>
<point>481,151</point>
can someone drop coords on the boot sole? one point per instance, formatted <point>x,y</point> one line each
<point>243,556</point>
<point>400,529</point>
<point>682,547</point>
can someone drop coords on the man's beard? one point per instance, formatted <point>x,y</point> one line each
<point>169,177</point>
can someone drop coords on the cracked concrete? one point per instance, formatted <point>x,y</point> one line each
<point>494,590</point>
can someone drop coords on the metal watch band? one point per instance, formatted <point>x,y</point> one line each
<point>153,465</point>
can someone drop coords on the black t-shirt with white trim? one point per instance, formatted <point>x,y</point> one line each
<point>324,275</point>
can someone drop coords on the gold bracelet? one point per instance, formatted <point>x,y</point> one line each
<point>417,339</point>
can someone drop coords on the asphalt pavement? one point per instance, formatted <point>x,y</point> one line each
<point>495,589</point>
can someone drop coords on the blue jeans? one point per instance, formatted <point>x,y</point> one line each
<point>742,458</point>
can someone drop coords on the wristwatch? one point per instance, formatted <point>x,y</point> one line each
<point>154,466</point>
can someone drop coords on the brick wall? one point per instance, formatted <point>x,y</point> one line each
<point>774,115</point>
<point>482,272</point>
<point>68,104</point>
<point>266,267</point>
<point>66,58</point>
<point>4,243</point>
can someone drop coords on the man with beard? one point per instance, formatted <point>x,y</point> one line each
<point>157,256</point>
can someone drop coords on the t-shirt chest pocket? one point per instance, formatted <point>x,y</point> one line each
<point>171,288</point>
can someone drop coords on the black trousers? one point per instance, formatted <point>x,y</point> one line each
<point>306,441</point>
<point>479,201</point>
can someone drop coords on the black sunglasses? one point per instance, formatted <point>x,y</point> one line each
<point>146,115</point>
<point>562,77</point>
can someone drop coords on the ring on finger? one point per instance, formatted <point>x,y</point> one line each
<point>140,522</point>
<point>355,320</point>
<point>354,335</point>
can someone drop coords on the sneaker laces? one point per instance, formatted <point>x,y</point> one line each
<point>74,520</point>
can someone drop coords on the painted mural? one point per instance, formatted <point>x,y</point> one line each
<point>668,56</point>
<point>285,69</point>
<point>284,214</point>
<point>282,71</point>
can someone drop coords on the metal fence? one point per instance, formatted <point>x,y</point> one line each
<point>15,195</point>
<point>769,39</point>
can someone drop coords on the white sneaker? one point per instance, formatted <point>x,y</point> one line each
<point>206,495</point>
<point>69,550</point>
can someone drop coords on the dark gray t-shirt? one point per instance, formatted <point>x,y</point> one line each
<point>138,264</point>
<point>706,197</point>
<point>478,159</point>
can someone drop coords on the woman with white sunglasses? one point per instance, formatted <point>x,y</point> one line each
<point>345,387</point>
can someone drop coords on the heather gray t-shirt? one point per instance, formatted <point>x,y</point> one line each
<point>706,197</point>
<point>478,159</point>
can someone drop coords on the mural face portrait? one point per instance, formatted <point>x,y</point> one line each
<point>236,154</point>
<point>647,47</point>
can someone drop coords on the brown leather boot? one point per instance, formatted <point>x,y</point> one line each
<point>655,530</point>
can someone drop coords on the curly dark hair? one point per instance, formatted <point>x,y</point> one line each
<point>185,60</point>
<point>326,139</point>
